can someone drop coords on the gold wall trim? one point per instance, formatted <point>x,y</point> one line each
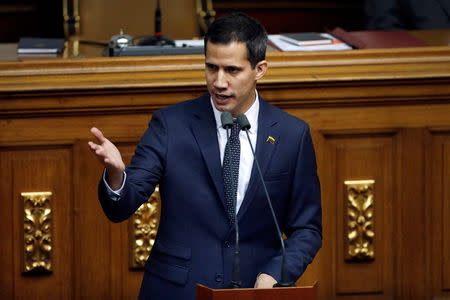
<point>71,17</point>
<point>205,14</point>
<point>359,216</point>
<point>143,228</point>
<point>37,233</point>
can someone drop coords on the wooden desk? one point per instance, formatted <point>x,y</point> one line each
<point>374,114</point>
<point>433,37</point>
<point>76,49</point>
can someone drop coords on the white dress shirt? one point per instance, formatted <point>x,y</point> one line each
<point>246,162</point>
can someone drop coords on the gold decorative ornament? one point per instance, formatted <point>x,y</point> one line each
<point>205,14</point>
<point>359,226</point>
<point>143,228</point>
<point>37,233</point>
<point>71,17</point>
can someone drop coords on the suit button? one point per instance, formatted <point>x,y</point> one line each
<point>219,277</point>
<point>227,244</point>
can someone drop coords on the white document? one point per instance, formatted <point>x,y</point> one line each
<point>286,46</point>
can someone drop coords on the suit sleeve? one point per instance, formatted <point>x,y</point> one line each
<point>303,224</point>
<point>143,174</point>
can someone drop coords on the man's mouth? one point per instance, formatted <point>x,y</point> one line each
<point>222,96</point>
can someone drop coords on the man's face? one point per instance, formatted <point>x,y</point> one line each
<point>230,78</point>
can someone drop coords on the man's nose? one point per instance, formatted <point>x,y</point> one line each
<point>221,80</point>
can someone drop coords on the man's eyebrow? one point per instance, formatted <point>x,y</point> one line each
<point>234,67</point>
<point>225,67</point>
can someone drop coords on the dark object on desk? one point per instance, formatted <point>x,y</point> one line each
<point>305,38</point>
<point>123,45</point>
<point>153,50</point>
<point>28,45</point>
<point>377,39</point>
<point>158,39</point>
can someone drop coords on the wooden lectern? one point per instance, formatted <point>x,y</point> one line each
<point>289,293</point>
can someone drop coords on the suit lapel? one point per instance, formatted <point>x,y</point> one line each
<point>267,126</point>
<point>205,132</point>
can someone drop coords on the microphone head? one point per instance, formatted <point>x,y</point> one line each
<point>243,122</point>
<point>227,119</point>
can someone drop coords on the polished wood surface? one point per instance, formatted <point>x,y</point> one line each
<point>374,114</point>
<point>290,293</point>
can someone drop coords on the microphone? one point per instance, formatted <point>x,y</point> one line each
<point>157,20</point>
<point>158,39</point>
<point>245,125</point>
<point>227,122</point>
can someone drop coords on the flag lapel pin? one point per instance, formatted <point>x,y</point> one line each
<point>270,140</point>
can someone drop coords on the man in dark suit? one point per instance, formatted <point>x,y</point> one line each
<point>183,150</point>
<point>407,14</point>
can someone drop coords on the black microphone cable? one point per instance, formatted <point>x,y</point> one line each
<point>284,282</point>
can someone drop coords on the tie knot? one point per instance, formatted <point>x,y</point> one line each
<point>235,128</point>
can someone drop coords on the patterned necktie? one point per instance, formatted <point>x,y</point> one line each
<point>231,169</point>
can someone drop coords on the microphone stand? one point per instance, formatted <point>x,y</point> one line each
<point>158,39</point>
<point>284,282</point>
<point>235,275</point>
<point>227,121</point>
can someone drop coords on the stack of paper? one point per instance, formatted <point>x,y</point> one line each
<point>278,41</point>
<point>40,46</point>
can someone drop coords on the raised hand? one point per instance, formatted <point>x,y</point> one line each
<point>110,157</point>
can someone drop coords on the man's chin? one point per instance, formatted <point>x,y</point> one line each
<point>223,105</point>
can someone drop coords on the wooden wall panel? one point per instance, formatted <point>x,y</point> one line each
<point>38,170</point>
<point>446,216</point>
<point>437,190</point>
<point>362,157</point>
<point>412,213</point>
<point>6,217</point>
<point>103,253</point>
<point>93,245</point>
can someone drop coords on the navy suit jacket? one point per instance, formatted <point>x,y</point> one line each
<point>195,241</point>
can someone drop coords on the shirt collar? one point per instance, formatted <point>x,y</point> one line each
<point>251,114</point>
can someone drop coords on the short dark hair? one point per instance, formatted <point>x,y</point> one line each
<point>239,27</point>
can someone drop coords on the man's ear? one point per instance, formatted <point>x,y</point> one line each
<point>261,68</point>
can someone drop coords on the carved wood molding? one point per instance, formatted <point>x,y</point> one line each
<point>143,226</point>
<point>359,215</point>
<point>188,70</point>
<point>137,84</point>
<point>37,235</point>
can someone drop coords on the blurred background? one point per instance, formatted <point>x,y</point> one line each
<point>99,20</point>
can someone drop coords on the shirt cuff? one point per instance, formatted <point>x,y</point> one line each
<point>114,195</point>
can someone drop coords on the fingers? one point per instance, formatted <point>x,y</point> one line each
<point>98,135</point>
<point>97,149</point>
<point>106,152</point>
<point>93,146</point>
<point>99,152</point>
